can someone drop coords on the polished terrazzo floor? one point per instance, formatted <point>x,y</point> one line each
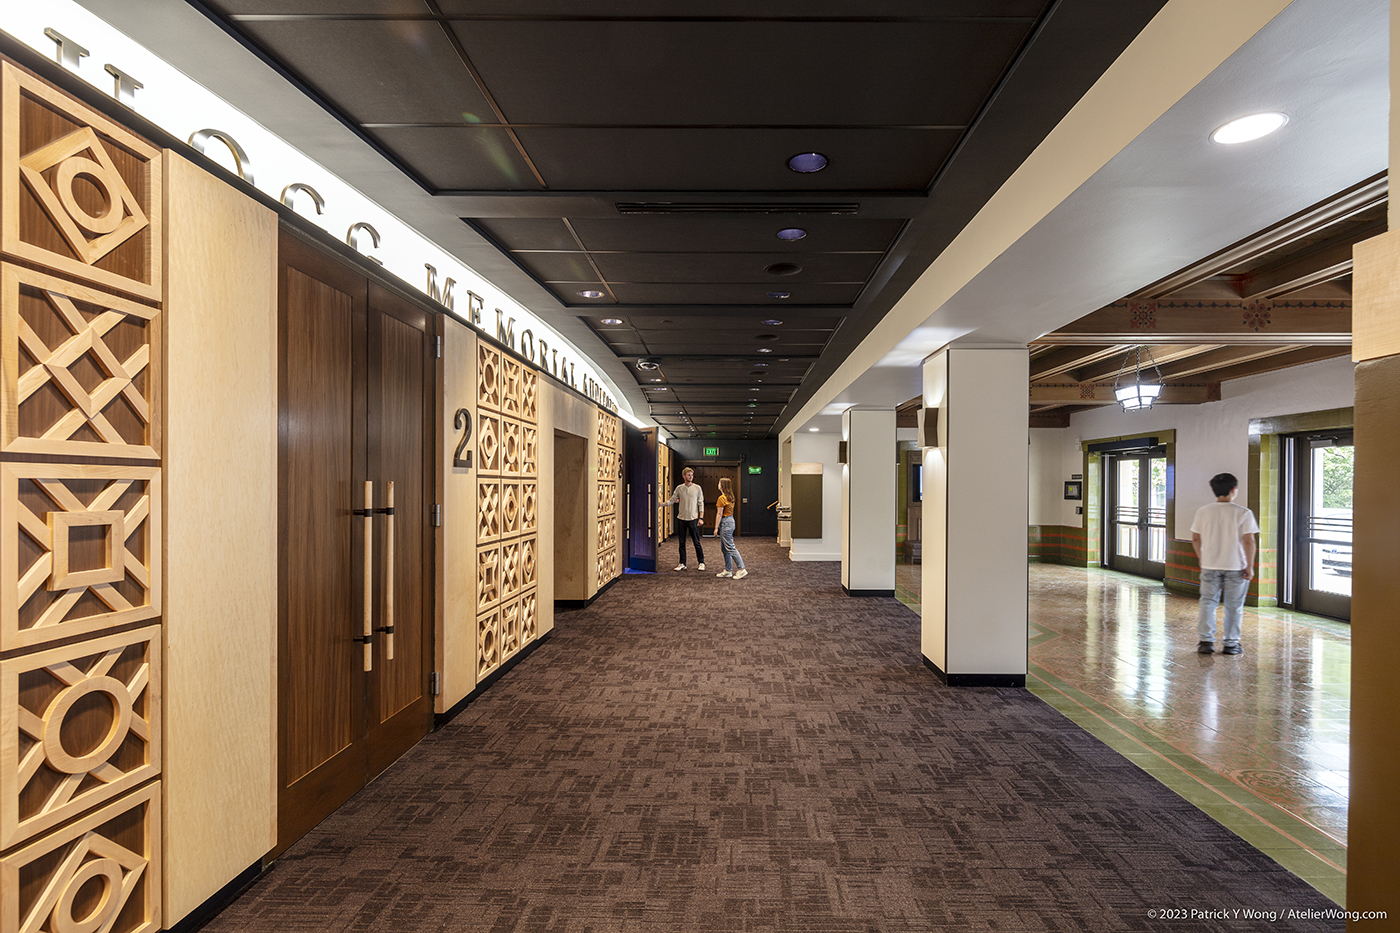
<point>1258,741</point>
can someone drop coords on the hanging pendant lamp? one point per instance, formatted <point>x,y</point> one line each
<point>1137,394</point>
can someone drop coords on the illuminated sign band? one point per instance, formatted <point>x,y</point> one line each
<point>229,137</point>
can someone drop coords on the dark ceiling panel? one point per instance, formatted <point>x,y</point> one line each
<point>723,73</point>
<point>558,267</point>
<point>527,232</point>
<point>396,71</point>
<point>318,7</point>
<point>734,159</point>
<point>647,268</point>
<point>715,233</point>
<point>445,157</point>
<point>705,293</point>
<point>748,9</point>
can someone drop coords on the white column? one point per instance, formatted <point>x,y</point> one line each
<point>868,503</point>
<point>976,510</point>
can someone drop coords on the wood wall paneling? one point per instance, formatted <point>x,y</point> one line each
<point>79,375</point>
<point>48,884</point>
<point>221,534</point>
<point>79,195</point>
<point>102,696</point>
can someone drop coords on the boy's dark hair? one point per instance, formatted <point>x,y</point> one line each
<point>1222,483</point>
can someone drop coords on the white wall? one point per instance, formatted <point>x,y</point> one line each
<point>1210,438</point>
<point>868,501</point>
<point>823,449</point>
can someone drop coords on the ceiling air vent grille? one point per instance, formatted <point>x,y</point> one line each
<point>675,207</point>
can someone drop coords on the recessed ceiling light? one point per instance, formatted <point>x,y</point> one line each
<point>791,233</point>
<point>612,320</point>
<point>772,323</point>
<point>783,268</point>
<point>1254,126</point>
<point>814,429</point>
<point>647,365</point>
<point>765,349</point>
<point>760,364</point>
<point>780,294</point>
<point>807,162</point>
<point>591,293</point>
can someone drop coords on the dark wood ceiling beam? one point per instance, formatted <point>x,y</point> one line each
<point>1161,355</point>
<point>1058,361</point>
<point>1100,393</point>
<point>1330,262</point>
<point>1049,419</point>
<point>1211,322</point>
<point>1280,361</point>
<point>1361,197</point>
<point>1222,358</point>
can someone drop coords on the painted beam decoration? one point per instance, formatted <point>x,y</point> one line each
<point>1252,321</point>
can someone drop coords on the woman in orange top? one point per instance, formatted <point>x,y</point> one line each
<point>724,527</point>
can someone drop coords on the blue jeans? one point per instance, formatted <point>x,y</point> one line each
<point>726,544</point>
<point>1232,585</point>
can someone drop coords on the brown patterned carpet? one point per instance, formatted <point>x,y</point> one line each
<point>697,754</point>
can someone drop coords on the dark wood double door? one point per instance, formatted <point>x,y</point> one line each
<point>355,614</point>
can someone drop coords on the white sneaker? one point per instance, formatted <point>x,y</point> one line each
<point>740,574</point>
<point>682,567</point>
<point>724,573</point>
<point>702,565</point>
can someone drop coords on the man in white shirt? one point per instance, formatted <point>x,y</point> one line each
<point>692,510</point>
<point>1222,535</point>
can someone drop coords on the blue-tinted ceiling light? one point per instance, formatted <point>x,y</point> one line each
<point>791,233</point>
<point>771,323</point>
<point>765,349</point>
<point>780,294</point>
<point>591,293</point>
<point>807,162</point>
<point>612,320</point>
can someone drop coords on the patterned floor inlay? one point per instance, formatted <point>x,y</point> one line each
<point>706,755</point>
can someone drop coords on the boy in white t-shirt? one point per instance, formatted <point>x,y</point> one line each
<point>1222,535</point>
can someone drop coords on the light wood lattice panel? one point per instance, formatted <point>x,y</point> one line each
<point>82,196</point>
<point>79,375</point>
<point>81,549</point>
<point>81,724</point>
<point>507,443</point>
<point>99,874</point>
<point>609,476</point>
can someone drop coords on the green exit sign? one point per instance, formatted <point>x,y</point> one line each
<point>712,451</point>
<point>754,471</point>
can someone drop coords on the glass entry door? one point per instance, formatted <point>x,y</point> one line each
<point>1321,523</point>
<point>1137,513</point>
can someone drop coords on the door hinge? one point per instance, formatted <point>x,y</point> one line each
<point>435,515</point>
<point>437,348</point>
<point>435,683</point>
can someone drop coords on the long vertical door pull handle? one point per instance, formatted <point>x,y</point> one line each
<point>366,638</point>
<point>388,627</point>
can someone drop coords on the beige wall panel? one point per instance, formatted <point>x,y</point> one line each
<point>1375,314</point>
<point>221,534</point>
<point>456,573</point>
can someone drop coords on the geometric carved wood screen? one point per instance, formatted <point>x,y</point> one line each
<point>80,542</point>
<point>507,507</point>
<point>608,437</point>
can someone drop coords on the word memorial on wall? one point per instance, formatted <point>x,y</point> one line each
<point>81,282</point>
<point>507,506</point>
